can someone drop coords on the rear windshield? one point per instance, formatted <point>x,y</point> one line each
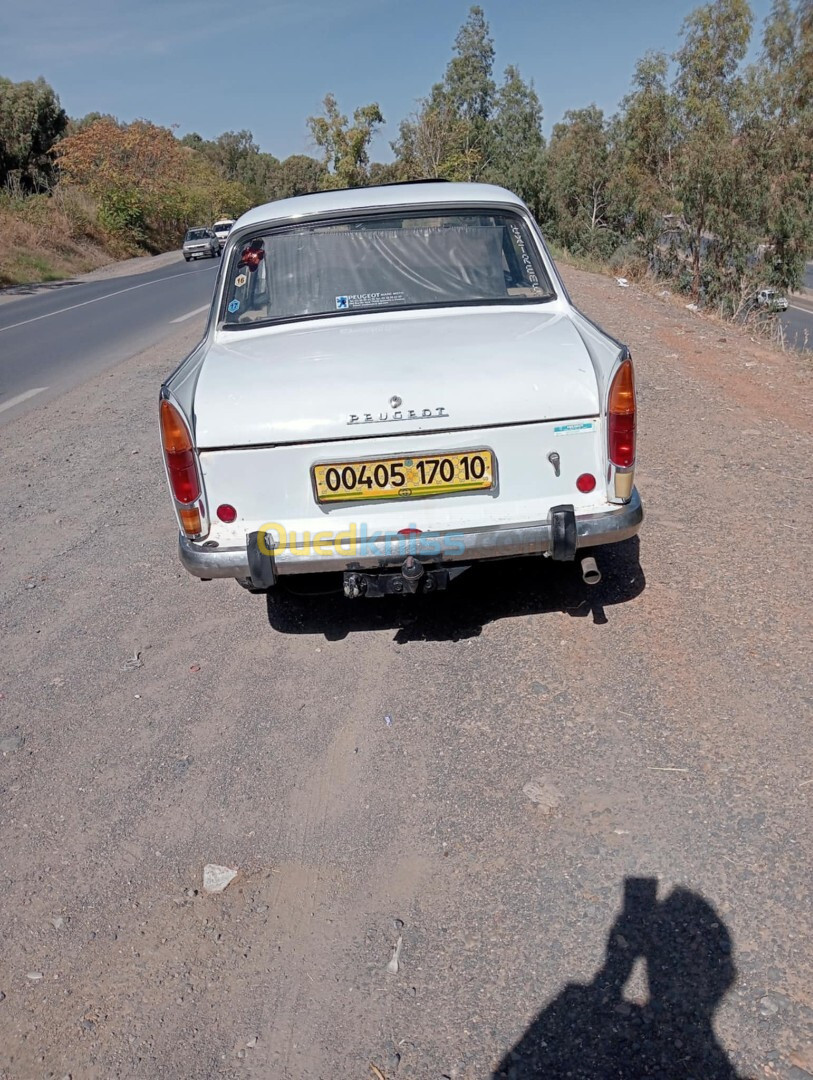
<point>223,226</point>
<point>386,261</point>
<point>197,234</point>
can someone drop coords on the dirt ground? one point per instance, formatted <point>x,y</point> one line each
<point>491,777</point>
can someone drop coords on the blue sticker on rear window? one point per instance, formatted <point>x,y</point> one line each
<point>342,303</point>
<point>234,306</point>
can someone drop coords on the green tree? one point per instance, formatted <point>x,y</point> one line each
<point>236,157</point>
<point>434,143</point>
<point>31,122</point>
<point>469,81</point>
<point>345,146</point>
<point>518,146</point>
<point>80,123</point>
<point>710,165</point>
<point>389,172</point>
<point>579,172</point>
<point>779,140</point>
<point>449,135</point>
<point>296,175</point>
<point>644,137</point>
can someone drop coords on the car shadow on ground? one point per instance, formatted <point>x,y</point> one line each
<point>485,593</point>
<point>590,1030</point>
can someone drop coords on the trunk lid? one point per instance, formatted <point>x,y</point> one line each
<point>341,378</point>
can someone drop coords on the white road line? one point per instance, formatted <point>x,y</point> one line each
<point>21,397</point>
<point>806,310</point>
<point>189,314</point>
<point>107,296</point>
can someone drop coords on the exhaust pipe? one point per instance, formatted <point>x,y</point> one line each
<point>591,575</point>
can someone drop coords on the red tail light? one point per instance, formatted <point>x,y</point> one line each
<point>183,474</point>
<point>621,417</point>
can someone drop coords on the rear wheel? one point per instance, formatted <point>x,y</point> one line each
<point>245,583</point>
<point>186,258</point>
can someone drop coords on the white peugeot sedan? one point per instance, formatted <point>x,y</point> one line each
<point>392,385</point>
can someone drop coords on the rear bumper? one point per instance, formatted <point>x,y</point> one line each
<point>500,542</point>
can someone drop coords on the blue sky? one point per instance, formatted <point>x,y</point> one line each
<point>265,65</point>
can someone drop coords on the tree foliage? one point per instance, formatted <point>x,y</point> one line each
<point>644,138</point>
<point>31,121</point>
<point>517,144</point>
<point>450,134</point>
<point>296,175</point>
<point>345,146</point>
<point>705,173</point>
<point>579,174</point>
<point>148,184</point>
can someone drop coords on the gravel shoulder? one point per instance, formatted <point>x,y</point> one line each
<point>546,743</point>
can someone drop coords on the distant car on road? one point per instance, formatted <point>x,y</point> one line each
<point>394,384</point>
<point>772,300</point>
<point>199,244</point>
<point>221,229</point>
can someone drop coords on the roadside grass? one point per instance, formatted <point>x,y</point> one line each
<point>589,263</point>
<point>49,238</point>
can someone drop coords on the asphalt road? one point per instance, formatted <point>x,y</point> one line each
<point>797,323</point>
<point>66,332</point>
<point>581,817</point>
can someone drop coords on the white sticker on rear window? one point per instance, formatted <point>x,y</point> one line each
<point>369,300</point>
<point>575,428</point>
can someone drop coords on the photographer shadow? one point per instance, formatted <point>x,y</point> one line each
<point>591,1031</point>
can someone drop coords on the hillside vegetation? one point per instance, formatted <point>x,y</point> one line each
<point>704,176</point>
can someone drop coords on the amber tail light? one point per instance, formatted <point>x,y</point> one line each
<point>181,467</point>
<point>183,475</point>
<point>621,418</point>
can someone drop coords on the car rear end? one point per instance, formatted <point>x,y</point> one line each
<point>398,446</point>
<point>221,229</point>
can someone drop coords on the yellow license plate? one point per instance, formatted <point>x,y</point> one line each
<point>404,477</point>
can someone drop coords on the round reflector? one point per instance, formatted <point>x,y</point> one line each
<point>226,513</point>
<point>586,482</point>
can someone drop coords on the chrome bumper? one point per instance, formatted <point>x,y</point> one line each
<point>490,542</point>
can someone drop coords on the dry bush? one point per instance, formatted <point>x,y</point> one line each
<point>48,237</point>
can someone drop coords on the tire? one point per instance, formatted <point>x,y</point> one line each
<point>245,583</point>
<point>186,258</point>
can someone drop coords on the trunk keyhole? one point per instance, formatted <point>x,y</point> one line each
<point>553,458</point>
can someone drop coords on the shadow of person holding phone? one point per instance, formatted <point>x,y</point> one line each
<point>591,1031</point>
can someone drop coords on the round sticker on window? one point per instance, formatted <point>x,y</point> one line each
<point>234,306</point>
<point>240,280</point>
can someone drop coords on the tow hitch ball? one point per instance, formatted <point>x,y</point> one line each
<point>407,581</point>
<point>411,572</point>
<point>411,577</point>
<point>354,586</point>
